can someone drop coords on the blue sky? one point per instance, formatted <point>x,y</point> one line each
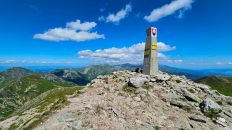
<point>192,34</point>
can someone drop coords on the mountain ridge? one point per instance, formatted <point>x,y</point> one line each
<point>221,83</point>
<point>17,82</point>
<point>130,100</point>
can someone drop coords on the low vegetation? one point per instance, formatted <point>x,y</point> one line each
<point>53,99</point>
<point>219,83</point>
<point>57,98</point>
<point>15,92</point>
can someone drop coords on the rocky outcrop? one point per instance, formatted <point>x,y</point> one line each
<point>128,100</point>
<point>138,81</point>
<point>208,105</point>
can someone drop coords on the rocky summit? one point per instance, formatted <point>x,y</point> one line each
<point>128,100</point>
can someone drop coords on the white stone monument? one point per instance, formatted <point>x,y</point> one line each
<point>150,64</point>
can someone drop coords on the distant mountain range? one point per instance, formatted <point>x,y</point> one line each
<point>192,74</point>
<point>19,85</point>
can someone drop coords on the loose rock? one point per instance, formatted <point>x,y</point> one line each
<point>137,81</point>
<point>208,106</point>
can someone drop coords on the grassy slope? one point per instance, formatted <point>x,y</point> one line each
<point>220,83</point>
<point>15,92</point>
<point>43,104</point>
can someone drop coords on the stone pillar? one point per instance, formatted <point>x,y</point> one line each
<point>150,64</point>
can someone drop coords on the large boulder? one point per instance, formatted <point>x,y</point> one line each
<point>137,81</point>
<point>209,106</point>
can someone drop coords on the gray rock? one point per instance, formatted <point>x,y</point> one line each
<point>228,109</point>
<point>190,96</point>
<point>204,88</point>
<point>228,100</point>
<point>147,126</point>
<point>75,124</point>
<point>221,121</point>
<point>227,113</point>
<point>88,106</point>
<point>180,104</point>
<point>137,81</point>
<point>208,105</point>
<point>162,77</point>
<point>127,128</point>
<point>197,118</point>
<point>153,80</point>
<point>138,99</point>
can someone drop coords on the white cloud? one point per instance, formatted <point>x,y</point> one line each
<point>169,9</point>
<point>133,54</point>
<point>220,63</point>
<point>174,61</point>
<point>77,25</point>
<point>7,61</point>
<point>74,31</point>
<point>65,34</point>
<point>224,63</point>
<point>116,18</point>
<point>164,47</point>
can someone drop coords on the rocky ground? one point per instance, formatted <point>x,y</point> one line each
<point>132,101</point>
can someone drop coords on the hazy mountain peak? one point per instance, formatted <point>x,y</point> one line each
<point>16,72</point>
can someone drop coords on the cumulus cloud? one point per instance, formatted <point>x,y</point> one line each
<point>132,54</point>
<point>74,31</point>
<point>164,47</point>
<point>169,9</point>
<point>77,25</point>
<point>65,34</point>
<point>116,18</point>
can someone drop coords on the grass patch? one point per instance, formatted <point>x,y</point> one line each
<point>187,108</point>
<point>35,122</point>
<point>54,100</point>
<point>191,90</point>
<point>157,128</point>
<point>212,114</point>
<point>57,97</point>
<point>13,127</point>
<point>4,113</point>
<point>128,89</point>
<point>98,109</point>
<point>147,98</point>
<point>147,86</point>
